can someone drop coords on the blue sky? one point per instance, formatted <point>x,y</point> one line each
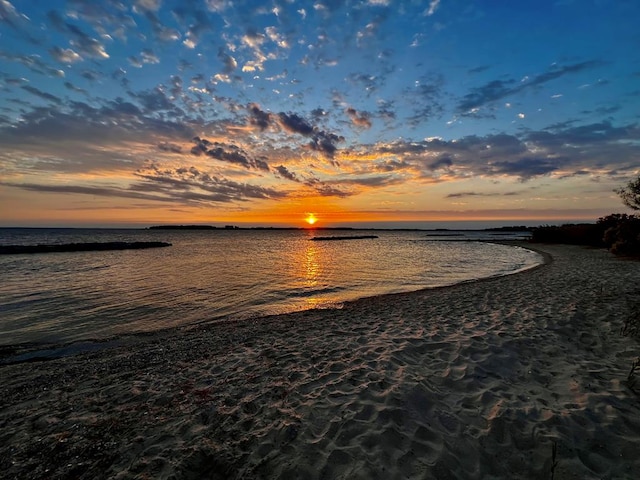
<point>205,111</point>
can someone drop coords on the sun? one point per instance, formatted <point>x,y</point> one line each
<point>311,219</point>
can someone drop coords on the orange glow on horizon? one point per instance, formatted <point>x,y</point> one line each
<point>50,209</point>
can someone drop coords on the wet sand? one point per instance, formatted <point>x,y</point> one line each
<point>514,377</point>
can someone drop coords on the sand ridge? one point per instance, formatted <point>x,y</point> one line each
<point>480,380</point>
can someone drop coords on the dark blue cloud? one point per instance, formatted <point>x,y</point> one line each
<point>525,167</point>
<point>41,94</point>
<point>229,153</point>
<point>284,172</point>
<point>500,89</point>
<point>294,123</point>
<point>482,194</point>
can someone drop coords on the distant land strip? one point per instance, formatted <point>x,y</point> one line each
<point>185,227</point>
<point>350,237</point>
<point>79,247</point>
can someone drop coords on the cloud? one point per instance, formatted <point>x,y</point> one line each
<point>361,120</point>
<point>109,19</point>
<point>73,88</point>
<point>190,184</point>
<point>433,6</point>
<point>90,127</point>
<point>218,5</point>
<point>8,13</point>
<point>196,21</point>
<point>372,181</point>
<point>254,41</point>
<point>229,153</point>
<point>425,99</point>
<point>283,172</point>
<point>327,190</point>
<point>481,194</point>
<point>185,185</point>
<point>591,134</point>
<point>41,94</point>
<point>444,161</point>
<point>18,22</point>
<point>148,56</point>
<point>86,190</point>
<point>156,100</point>
<point>82,42</point>
<point>170,147</point>
<point>294,123</point>
<point>499,89</point>
<point>92,75</point>
<point>325,143</point>
<point>282,139</point>
<point>258,117</point>
<point>229,63</point>
<point>319,113</point>
<point>276,37</point>
<point>525,167</point>
<point>135,61</point>
<point>86,44</point>
<point>599,148</point>
<point>33,63</point>
<point>321,141</point>
<point>65,55</point>
<point>370,83</point>
<point>153,5</point>
<point>160,31</point>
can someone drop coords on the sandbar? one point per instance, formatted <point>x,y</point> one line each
<point>78,247</point>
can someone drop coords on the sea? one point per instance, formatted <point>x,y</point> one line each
<point>223,275</point>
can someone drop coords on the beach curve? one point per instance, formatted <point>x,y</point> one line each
<point>485,378</point>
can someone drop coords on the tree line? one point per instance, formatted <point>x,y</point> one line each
<point>618,232</point>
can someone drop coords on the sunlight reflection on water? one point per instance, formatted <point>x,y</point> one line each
<point>213,275</point>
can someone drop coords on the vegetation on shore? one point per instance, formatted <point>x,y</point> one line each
<point>618,232</point>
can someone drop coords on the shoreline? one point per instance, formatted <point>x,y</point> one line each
<point>476,379</point>
<point>11,354</point>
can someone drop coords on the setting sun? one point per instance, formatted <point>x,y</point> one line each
<point>311,219</point>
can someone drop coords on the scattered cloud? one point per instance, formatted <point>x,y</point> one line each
<point>361,120</point>
<point>65,55</point>
<point>230,102</point>
<point>500,89</point>
<point>433,6</point>
<point>41,94</point>
<point>228,153</point>
<point>81,41</point>
<point>285,173</point>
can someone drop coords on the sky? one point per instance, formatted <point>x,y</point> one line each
<point>360,112</point>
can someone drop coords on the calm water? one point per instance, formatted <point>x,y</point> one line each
<point>220,274</point>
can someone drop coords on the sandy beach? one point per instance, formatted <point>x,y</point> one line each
<point>514,377</point>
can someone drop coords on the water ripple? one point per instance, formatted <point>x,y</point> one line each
<point>214,275</point>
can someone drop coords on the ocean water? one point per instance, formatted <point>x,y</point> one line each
<point>219,275</point>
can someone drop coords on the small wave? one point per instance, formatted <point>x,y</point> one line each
<point>311,292</point>
<point>71,298</point>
